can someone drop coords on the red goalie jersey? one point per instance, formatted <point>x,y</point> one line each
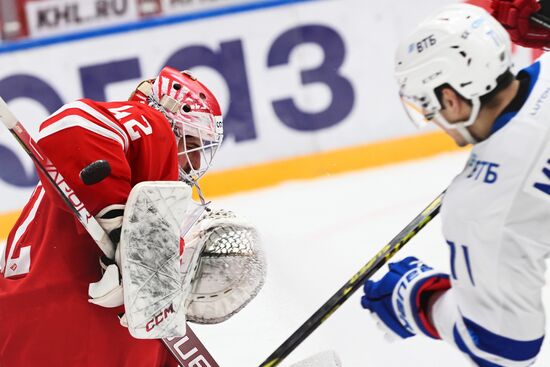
<point>49,259</point>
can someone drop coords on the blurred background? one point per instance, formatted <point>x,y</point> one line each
<point>317,152</point>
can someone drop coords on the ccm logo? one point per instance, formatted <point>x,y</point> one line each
<point>159,318</point>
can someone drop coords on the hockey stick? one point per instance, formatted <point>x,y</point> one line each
<point>541,20</point>
<point>188,350</point>
<point>355,282</point>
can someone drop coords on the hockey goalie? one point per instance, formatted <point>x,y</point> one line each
<point>175,260</point>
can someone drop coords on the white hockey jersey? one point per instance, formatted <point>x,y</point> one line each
<point>496,221</point>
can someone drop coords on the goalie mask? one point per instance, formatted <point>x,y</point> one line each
<point>194,114</point>
<point>462,47</point>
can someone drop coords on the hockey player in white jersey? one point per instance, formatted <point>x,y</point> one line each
<point>454,71</point>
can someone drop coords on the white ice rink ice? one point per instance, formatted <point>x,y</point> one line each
<point>317,234</point>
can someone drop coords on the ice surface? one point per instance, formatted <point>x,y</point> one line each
<point>317,234</point>
<point>323,359</point>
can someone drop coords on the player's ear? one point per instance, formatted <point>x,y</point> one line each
<point>449,99</point>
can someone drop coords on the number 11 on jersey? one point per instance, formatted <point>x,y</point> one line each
<point>465,259</point>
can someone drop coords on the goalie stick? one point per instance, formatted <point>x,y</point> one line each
<point>187,350</point>
<point>355,282</point>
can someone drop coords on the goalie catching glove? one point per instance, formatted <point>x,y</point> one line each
<point>232,267</point>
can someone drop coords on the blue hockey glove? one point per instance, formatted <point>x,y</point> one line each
<point>399,300</point>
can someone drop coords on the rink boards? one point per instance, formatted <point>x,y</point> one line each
<point>306,87</point>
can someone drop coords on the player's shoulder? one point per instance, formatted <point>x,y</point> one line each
<point>79,110</point>
<point>127,110</point>
<point>121,108</point>
<point>123,113</point>
<point>123,121</point>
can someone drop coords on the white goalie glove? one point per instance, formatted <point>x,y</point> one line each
<point>108,291</point>
<point>232,267</point>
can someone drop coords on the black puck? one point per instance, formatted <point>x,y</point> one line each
<point>95,172</point>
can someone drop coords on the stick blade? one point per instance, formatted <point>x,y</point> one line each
<point>6,116</point>
<point>327,358</point>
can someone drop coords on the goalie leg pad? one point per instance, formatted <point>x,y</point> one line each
<point>154,291</point>
<point>232,270</point>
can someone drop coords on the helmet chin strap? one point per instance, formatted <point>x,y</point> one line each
<point>184,178</point>
<point>463,131</point>
<point>462,126</point>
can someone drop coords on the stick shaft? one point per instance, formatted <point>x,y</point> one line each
<point>189,351</point>
<point>355,282</point>
<point>541,20</point>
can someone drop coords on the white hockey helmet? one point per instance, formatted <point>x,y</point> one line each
<point>462,46</point>
<point>192,110</point>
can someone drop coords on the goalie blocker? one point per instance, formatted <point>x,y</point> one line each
<point>221,269</point>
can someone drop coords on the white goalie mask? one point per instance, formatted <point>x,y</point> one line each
<point>195,116</point>
<point>462,46</point>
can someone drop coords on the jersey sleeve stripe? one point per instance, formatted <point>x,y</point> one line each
<point>82,106</point>
<point>490,342</point>
<point>483,344</point>
<point>26,222</point>
<point>101,117</point>
<point>462,346</point>
<point>4,244</point>
<point>79,121</point>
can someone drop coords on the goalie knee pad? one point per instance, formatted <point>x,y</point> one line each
<point>232,269</point>
<point>400,299</point>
